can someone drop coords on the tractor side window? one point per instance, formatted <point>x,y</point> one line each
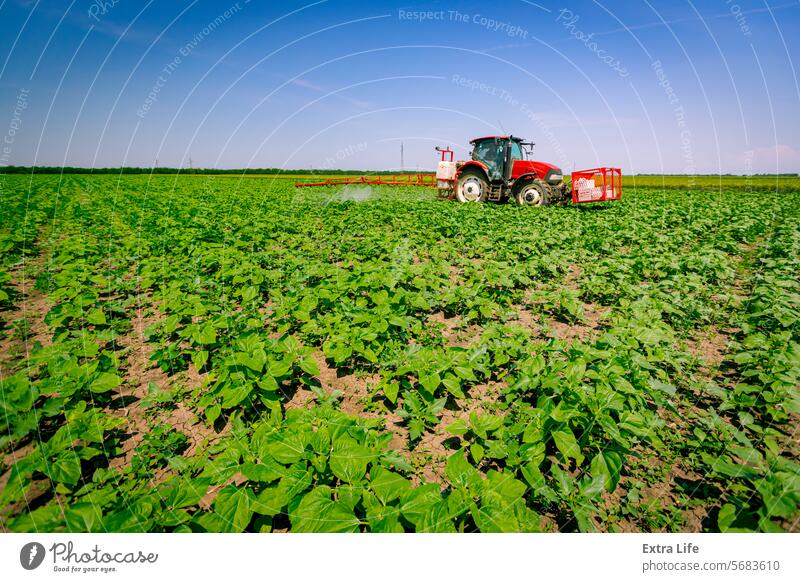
<point>483,151</point>
<point>516,151</point>
<point>490,153</point>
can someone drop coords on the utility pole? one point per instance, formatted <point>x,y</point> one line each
<point>402,161</point>
<point>191,169</point>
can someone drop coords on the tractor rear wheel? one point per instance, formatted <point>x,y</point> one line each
<point>472,186</point>
<point>533,193</point>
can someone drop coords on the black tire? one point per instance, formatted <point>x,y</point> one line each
<point>472,186</point>
<point>532,193</point>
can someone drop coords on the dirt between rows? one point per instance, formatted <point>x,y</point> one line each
<point>31,307</point>
<point>585,330</point>
<point>22,328</point>
<point>140,373</point>
<point>429,454</point>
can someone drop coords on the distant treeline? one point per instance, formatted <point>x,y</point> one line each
<point>199,171</point>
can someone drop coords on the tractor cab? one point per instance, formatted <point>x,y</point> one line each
<point>498,153</point>
<point>498,170</point>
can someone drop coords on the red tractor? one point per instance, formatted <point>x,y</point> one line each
<point>498,171</point>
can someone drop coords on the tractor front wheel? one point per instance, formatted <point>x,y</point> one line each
<point>472,187</point>
<point>533,193</point>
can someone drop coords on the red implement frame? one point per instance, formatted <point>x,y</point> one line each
<point>404,180</point>
<point>596,185</point>
<point>444,151</point>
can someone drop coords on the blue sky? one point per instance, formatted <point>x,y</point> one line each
<point>676,87</point>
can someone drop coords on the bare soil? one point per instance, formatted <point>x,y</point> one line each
<point>32,307</point>
<point>455,331</point>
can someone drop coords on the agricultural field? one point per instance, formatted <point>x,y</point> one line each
<point>205,353</point>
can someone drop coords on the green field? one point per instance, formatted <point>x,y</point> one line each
<point>203,353</point>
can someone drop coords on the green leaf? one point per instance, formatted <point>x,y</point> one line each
<point>390,390</point>
<point>280,368</point>
<point>82,517</point>
<point>380,297</point>
<point>105,382</point>
<point>458,427</point>
<point>338,352</point>
<point>186,493</point>
<point>382,518</point>
<point>248,361</point>
<point>566,443</point>
<point>533,476</point>
<point>235,393</point>
<point>207,335</point>
<point>461,473</point>
<point>96,317</point>
<point>65,469</point>
<point>212,413</point>
<point>415,428</point>
<point>272,500</point>
<point>483,424</point>
<point>606,465</point>
<point>465,373</point>
<point>388,485</point>
<point>349,463</point>
<point>316,512</point>
<point>288,450</point>
<point>724,467</point>
<point>430,382</point>
<point>726,517</point>
<point>267,383</point>
<point>476,451</point>
<point>453,386</point>
<point>264,472</point>
<point>634,422</point>
<point>502,508</point>
<point>233,505</point>
<point>199,358</point>
<point>661,386</point>
<point>437,519</point>
<point>418,502</point>
<point>504,484</point>
<point>249,293</point>
<point>309,366</point>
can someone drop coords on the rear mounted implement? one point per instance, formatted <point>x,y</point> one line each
<point>596,185</point>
